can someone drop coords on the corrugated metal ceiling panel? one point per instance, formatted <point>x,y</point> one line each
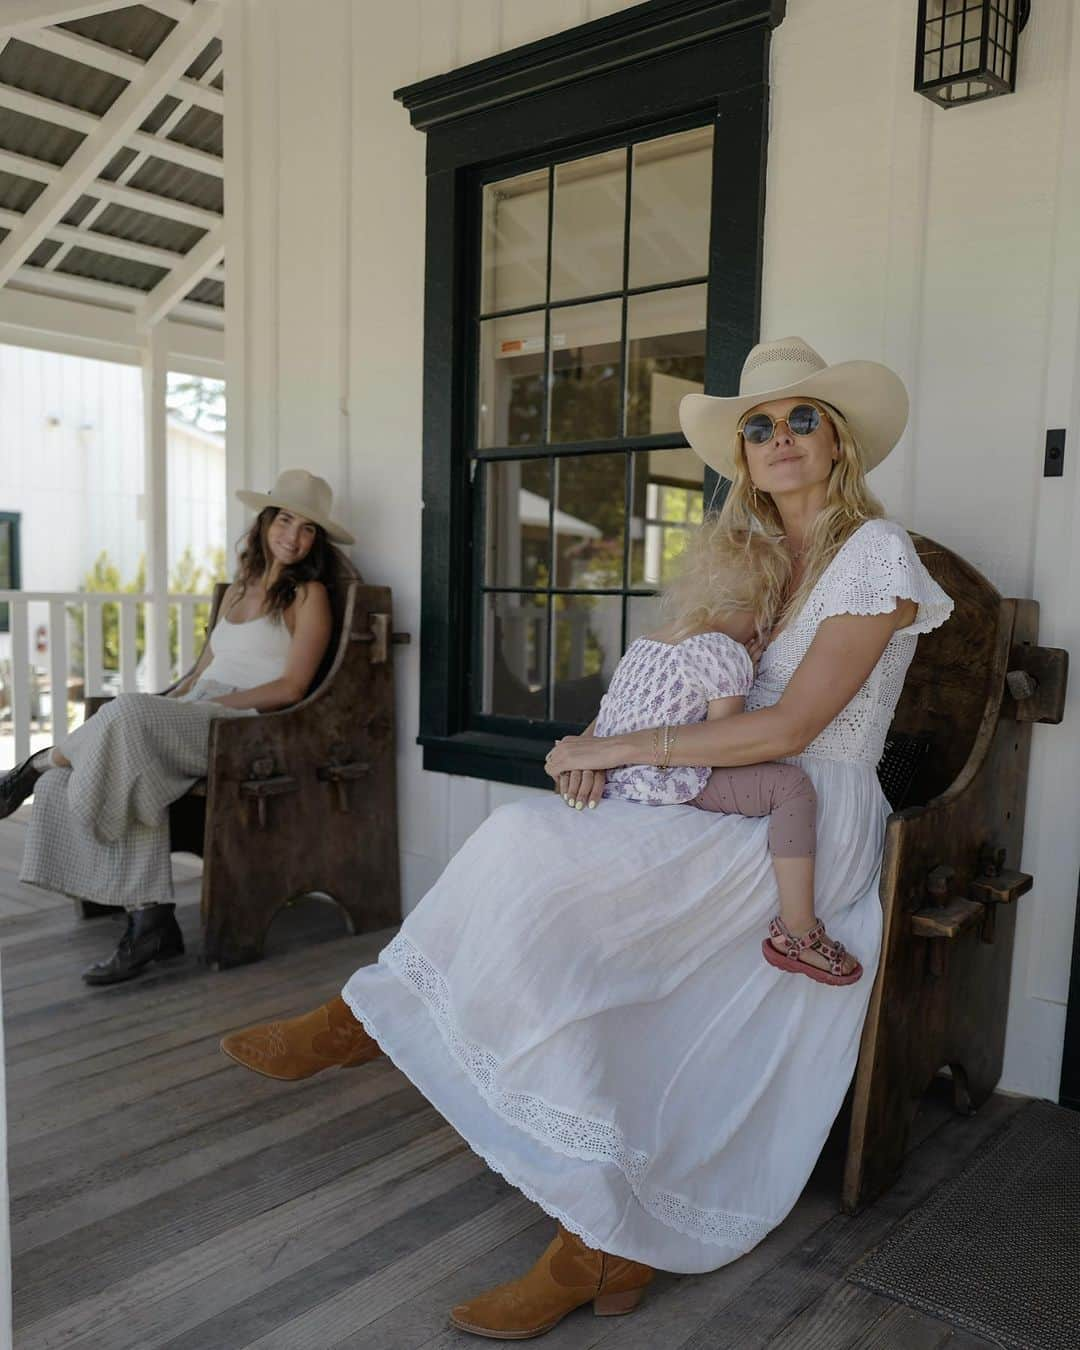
<point>18,194</point>
<point>181,184</point>
<point>37,139</point>
<point>82,262</point>
<point>55,77</point>
<point>201,129</point>
<point>142,228</point>
<point>208,292</point>
<point>134,29</point>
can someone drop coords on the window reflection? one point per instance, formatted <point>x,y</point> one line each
<point>515,656</point>
<point>666,332</point>
<point>511,385</point>
<point>586,365</point>
<point>514,246</point>
<point>667,506</point>
<point>590,521</point>
<point>588,226</point>
<point>517,532</point>
<point>587,636</point>
<point>669,208</point>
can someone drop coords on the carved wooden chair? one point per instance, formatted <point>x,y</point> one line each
<point>302,800</point>
<point>956,770</point>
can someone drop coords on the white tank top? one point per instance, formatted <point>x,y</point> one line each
<point>247,654</point>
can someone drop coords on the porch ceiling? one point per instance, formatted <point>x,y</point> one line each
<point>111,169</point>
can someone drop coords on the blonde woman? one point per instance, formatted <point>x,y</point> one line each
<point>582,994</point>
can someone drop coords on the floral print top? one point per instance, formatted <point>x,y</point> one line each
<point>663,682</point>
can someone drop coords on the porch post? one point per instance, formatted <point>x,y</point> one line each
<point>155,498</point>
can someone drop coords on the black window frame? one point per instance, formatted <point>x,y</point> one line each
<point>657,67</point>
<point>14,519</point>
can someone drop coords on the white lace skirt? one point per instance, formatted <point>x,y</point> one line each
<point>582,995</point>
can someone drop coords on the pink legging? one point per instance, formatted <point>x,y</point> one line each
<point>780,791</point>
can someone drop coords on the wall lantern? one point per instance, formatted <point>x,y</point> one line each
<point>966,49</point>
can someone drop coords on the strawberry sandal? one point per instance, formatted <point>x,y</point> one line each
<point>815,940</point>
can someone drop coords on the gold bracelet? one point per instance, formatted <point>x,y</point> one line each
<point>668,745</point>
<point>656,745</point>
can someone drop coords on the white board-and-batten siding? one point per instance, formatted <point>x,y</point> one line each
<point>942,243</point>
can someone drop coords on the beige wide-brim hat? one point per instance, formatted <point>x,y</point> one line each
<point>304,493</point>
<point>871,396</point>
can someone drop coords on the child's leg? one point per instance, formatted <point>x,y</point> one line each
<point>785,794</point>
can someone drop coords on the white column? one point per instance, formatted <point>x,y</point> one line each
<point>155,496</point>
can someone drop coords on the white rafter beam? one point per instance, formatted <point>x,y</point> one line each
<point>109,296</point>
<point>197,263</point>
<point>159,74</point>
<point>102,57</point>
<point>19,16</point>
<point>62,114</point>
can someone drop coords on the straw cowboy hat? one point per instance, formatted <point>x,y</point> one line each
<point>305,494</point>
<point>871,396</point>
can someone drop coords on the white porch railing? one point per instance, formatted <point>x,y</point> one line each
<point>28,684</point>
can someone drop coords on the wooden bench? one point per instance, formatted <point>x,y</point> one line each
<point>950,878</point>
<point>301,801</point>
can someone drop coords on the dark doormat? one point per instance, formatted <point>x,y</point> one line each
<point>997,1250</point>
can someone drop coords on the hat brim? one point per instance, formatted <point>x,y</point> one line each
<point>258,501</point>
<point>871,396</point>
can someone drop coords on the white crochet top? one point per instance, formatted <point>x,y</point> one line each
<point>876,566</point>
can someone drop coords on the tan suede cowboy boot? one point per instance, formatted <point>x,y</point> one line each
<point>323,1039</point>
<point>568,1275</point>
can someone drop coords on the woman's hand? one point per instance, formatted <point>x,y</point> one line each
<point>583,787</point>
<point>575,754</point>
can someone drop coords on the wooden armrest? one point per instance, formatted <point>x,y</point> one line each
<point>1001,889</point>
<point>948,920</point>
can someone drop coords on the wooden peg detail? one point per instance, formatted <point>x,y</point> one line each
<point>262,789</point>
<point>1002,888</point>
<point>1037,679</point>
<point>341,775</point>
<point>950,920</point>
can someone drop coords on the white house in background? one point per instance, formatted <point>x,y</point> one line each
<point>71,475</point>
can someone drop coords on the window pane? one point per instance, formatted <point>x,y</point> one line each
<point>667,505</point>
<point>669,207</point>
<point>587,639</point>
<point>517,540</point>
<point>514,246</point>
<point>5,556</point>
<point>667,356</point>
<point>586,387</point>
<point>514,662</point>
<point>643,616</point>
<point>588,226</point>
<point>511,384</point>
<point>590,499</point>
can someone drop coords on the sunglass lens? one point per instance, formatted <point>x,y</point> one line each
<point>758,429</point>
<point>804,419</point>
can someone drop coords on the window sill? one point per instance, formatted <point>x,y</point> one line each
<point>479,754</point>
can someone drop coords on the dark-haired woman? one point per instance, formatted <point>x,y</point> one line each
<point>99,829</point>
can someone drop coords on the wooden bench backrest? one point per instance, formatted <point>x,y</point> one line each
<point>948,683</point>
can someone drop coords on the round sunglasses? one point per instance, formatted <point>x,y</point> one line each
<point>803,420</point>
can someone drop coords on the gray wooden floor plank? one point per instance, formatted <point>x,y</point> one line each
<point>197,1294</point>
<point>164,1199</point>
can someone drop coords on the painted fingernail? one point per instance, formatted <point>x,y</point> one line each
<point>592,806</point>
<point>570,801</point>
<point>578,806</point>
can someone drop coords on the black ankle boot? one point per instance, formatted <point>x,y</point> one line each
<point>17,784</point>
<point>152,934</point>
